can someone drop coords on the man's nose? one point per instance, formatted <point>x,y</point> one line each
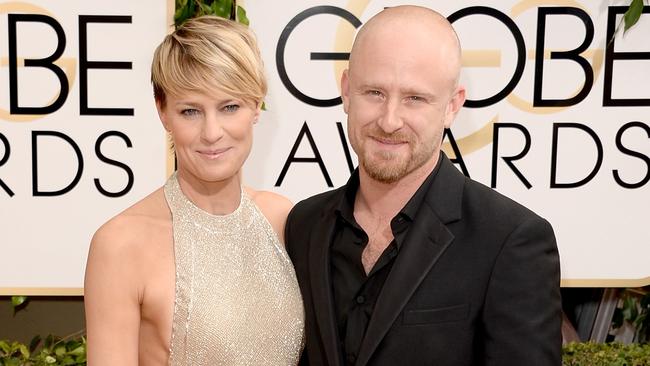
<point>390,120</point>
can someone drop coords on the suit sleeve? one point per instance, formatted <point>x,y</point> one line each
<point>522,315</point>
<point>287,234</point>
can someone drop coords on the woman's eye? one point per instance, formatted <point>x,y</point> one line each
<point>190,112</point>
<point>231,108</point>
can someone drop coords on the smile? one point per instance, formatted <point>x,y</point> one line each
<point>212,153</point>
<point>388,143</point>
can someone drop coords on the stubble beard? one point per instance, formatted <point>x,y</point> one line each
<point>389,167</point>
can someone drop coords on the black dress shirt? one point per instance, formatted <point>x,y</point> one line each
<point>355,293</point>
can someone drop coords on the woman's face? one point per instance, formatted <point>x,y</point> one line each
<point>212,133</point>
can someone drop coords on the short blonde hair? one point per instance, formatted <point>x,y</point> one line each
<point>209,53</point>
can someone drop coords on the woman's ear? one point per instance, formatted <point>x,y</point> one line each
<point>258,111</point>
<point>162,115</point>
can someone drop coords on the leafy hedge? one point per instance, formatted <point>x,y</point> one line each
<point>58,352</point>
<point>606,354</point>
<point>53,351</point>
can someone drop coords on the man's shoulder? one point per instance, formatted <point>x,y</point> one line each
<point>454,195</point>
<point>321,202</point>
<point>491,218</point>
<point>305,216</point>
<point>477,196</point>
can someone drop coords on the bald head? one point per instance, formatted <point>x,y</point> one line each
<point>401,91</point>
<point>410,29</point>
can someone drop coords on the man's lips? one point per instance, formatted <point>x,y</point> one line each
<point>387,141</point>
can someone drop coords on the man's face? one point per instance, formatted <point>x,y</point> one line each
<point>399,95</point>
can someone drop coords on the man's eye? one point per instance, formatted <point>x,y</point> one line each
<point>374,93</point>
<point>415,98</point>
<point>231,108</point>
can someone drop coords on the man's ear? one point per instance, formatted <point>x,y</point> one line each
<point>161,115</point>
<point>345,90</point>
<point>455,104</point>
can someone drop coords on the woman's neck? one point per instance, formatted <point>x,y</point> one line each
<point>216,198</point>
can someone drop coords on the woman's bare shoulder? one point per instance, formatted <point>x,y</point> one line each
<point>125,249</point>
<point>274,207</point>
<point>131,228</point>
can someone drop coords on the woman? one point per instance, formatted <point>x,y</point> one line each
<point>196,273</point>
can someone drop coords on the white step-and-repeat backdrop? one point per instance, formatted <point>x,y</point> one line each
<point>555,119</point>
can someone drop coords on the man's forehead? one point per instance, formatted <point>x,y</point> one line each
<point>407,29</point>
<point>406,46</point>
<point>406,15</point>
<point>401,62</point>
<point>404,85</point>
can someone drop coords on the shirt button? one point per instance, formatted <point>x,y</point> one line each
<point>361,299</point>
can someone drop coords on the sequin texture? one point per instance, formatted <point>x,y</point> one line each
<point>237,300</point>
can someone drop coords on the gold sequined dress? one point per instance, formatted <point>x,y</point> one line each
<point>237,299</point>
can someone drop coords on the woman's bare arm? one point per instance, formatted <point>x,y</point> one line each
<point>112,296</point>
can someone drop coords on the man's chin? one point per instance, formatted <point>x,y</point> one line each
<point>385,173</point>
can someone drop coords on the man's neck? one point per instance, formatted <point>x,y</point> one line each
<point>385,200</point>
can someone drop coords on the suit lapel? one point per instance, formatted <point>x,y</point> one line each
<point>426,241</point>
<point>321,287</point>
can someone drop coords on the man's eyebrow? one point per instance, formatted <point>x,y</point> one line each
<point>418,92</point>
<point>369,86</point>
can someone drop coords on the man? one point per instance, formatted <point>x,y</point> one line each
<point>411,263</point>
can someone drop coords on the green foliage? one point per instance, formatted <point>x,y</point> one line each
<point>72,351</point>
<point>18,303</point>
<point>186,9</point>
<point>636,311</point>
<point>53,351</point>
<point>241,16</point>
<point>630,18</point>
<point>18,300</point>
<point>605,354</point>
<point>632,14</point>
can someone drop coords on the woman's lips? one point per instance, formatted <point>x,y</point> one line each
<point>212,153</point>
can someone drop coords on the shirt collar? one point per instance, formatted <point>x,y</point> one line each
<point>345,207</point>
<point>413,205</point>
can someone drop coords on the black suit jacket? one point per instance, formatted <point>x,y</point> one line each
<point>476,282</point>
